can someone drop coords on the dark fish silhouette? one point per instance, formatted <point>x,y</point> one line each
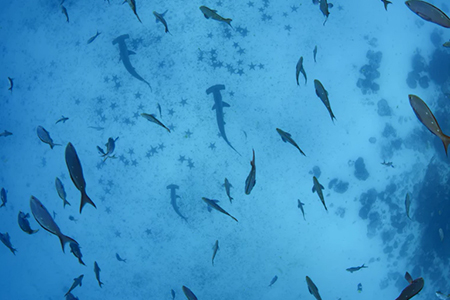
<point>5,133</point>
<point>91,39</point>
<point>286,137</point>
<point>188,293</point>
<point>120,258</point>
<point>173,199</point>
<point>299,69</point>
<point>11,84</point>
<point>160,18</point>
<point>414,287</point>
<point>312,288</point>
<point>75,249</point>
<point>214,205</point>
<point>152,118</point>
<point>62,119</point>
<point>76,282</point>
<point>323,5</point>
<point>5,238</point>
<point>408,204</point>
<point>429,12</point>
<point>97,273</point>
<point>300,205</point>
<point>274,279</point>
<point>132,4</point>
<point>44,136</point>
<point>212,13</point>
<point>61,192</point>
<point>22,219</point>
<point>386,2</point>
<point>354,269</point>
<point>227,186</point>
<point>215,249</point>
<point>251,178</point>
<point>3,197</point>
<point>315,53</point>
<point>317,187</point>
<point>323,95</point>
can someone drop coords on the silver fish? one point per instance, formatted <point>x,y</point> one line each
<point>61,192</point>
<point>429,12</point>
<point>24,224</point>
<point>6,240</point>
<point>76,282</point>
<point>153,119</point>
<point>317,187</point>
<point>91,39</point>
<point>251,178</point>
<point>215,248</point>
<point>132,4</point>
<point>160,18</point>
<point>214,205</point>
<point>212,13</point>
<point>312,288</point>
<point>286,137</point>
<point>44,136</point>
<point>323,95</point>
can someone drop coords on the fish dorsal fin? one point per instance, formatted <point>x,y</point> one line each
<point>313,188</point>
<point>206,16</point>
<point>408,277</point>
<point>224,104</point>
<point>321,186</point>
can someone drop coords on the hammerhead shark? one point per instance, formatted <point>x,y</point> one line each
<point>125,57</point>
<point>218,106</point>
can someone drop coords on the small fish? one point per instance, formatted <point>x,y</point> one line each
<point>75,250</point>
<point>64,11</point>
<point>132,4</point>
<point>98,128</point>
<point>446,44</point>
<point>429,12</point>
<point>209,207</point>
<point>91,39</point>
<point>386,2</point>
<point>441,234</point>
<point>214,205</point>
<point>5,133</point>
<point>11,84</point>
<point>24,224</point>
<point>5,238</point>
<point>110,147</point>
<point>62,119</point>
<point>173,199</point>
<point>315,53</point>
<point>215,248</point>
<point>286,137</point>
<point>414,287</point>
<point>46,221</point>
<point>97,273</point>
<point>427,118</point>
<point>323,5</point>
<point>76,282</point>
<point>72,218</point>
<point>312,288</point>
<point>317,187</point>
<point>442,296</point>
<point>153,119</point>
<point>172,292</point>
<point>359,288</point>
<point>323,95</point>
<point>354,269</point>
<point>61,192</point>
<point>212,13</point>
<point>160,18</point>
<point>299,69</point>
<point>387,164</point>
<point>159,110</point>
<point>251,178</point>
<point>120,259</point>
<point>3,197</point>
<point>274,279</point>
<point>70,296</point>
<point>227,186</point>
<point>188,293</point>
<point>408,204</point>
<point>44,136</point>
<point>300,205</point>
<point>76,173</point>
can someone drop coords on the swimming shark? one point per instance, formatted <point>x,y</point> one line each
<point>173,199</point>
<point>125,57</point>
<point>218,106</point>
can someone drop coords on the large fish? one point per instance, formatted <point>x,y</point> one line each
<point>24,224</point>
<point>318,188</point>
<point>312,288</point>
<point>44,136</point>
<point>61,192</point>
<point>46,221</point>
<point>76,173</point>
<point>251,178</point>
<point>429,12</point>
<point>427,118</point>
<point>414,287</point>
<point>188,293</point>
<point>286,137</point>
<point>299,69</point>
<point>214,205</point>
<point>323,95</point>
<point>212,13</point>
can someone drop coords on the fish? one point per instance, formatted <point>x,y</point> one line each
<point>286,137</point>
<point>64,11</point>
<point>408,204</point>
<point>3,197</point>
<point>227,186</point>
<point>274,279</point>
<point>110,147</point>
<point>98,128</point>
<point>152,118</point>
<point>62,119</point>
<point>188,293</point>
<point>70,296</point>
<point>125,57</point>
<point>76,173</point>
<point>215,248</point>
<point>72,218</point>
<point>160,18</point>
<point>317,187</point>
<point>5,238</point>
<point>212,13</point>
<point>414,287</point>
<point>214,205</point>
<point>386,2</point>
<point>132,4</point>
<point>76,282</point>
<point>354,269</point>
<point>22,219</point>
<point>219,105</point>
<point>120,258</point>
<point>173,199</point>
<point>424,114</point>
<point>441,234</point>
<point>11,84</point>
<point>61,192</point>
<point>442,296</point>
<point>299,69</point>
<point>44,136</point>
<point>323,5</point>
<point>75,250</point>
<point>159,110</point>
<point>446,44</point>
<point>46,221</point>
<point>97,273</point>
<point>323,95</point>
<point>92,38</point>
<point>251,178</point>
<point>300,205</point>
<point>172,292</point>
<point>312,288</point>
<point>429,12</point>
<point>388,164</point>
<point>315,53</point>
<point>209,207</point>
<point>359,288</point>
<point>5,133</point>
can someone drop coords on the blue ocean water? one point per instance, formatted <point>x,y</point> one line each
<point>368,60</point>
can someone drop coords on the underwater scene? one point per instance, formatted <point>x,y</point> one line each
<point>225,150</point>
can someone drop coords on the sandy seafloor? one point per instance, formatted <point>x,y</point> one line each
<point>56,73</point>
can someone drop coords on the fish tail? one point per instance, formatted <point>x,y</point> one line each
<point>85,199</point>
<point>100,283</point>
<point>228,21</point>
<point>64,239</point>
<point>66,202</point>
<point>446,141</point>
